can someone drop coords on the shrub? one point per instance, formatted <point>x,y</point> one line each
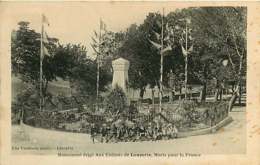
<point>116,101</point>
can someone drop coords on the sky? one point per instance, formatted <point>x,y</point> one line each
<point>75,22</point>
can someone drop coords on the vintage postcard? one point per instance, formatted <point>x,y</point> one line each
<point>130,82</point>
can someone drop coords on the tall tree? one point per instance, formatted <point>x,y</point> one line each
<point>223,33</point>
<point>220,36</point>
<point>73,64</point>
<point>25,56</point>
<point>144,58</point>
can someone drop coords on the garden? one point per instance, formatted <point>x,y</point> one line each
<point>115,121</point>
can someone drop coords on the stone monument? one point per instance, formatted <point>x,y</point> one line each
<point>120,73</point>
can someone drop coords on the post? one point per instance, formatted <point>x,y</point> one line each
<point>41,56</point>
<point>240,79</point>
<point>97,82</point>
<point>153,99</point>
<point>186,60</point>
<point>171,87</point>
<point>98,56</point>
<point>71,104</point>
<point>161,69</point>
<point>21,116</point>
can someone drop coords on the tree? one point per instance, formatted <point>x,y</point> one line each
<point>144,58</point>
<point>25,56</point>
<point>225,32</point>
<point>220,35</point>
<point>73,64</point>
<point>105,45</point>
<point>69,62</point>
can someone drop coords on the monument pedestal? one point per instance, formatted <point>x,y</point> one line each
<point>120,74</point>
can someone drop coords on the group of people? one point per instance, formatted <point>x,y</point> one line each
<point>113,133</point>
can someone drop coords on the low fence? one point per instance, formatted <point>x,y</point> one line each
<point>208,130</point>
<point>120,134</point>
<point>166,99</point>
<point>186,117</point>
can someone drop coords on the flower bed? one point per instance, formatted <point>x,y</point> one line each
<point>188,116</point>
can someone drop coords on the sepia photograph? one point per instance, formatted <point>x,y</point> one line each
<point>157,81</point>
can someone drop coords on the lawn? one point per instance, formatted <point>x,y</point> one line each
<point>56,87</point>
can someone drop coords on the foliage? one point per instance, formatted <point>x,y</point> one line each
<point>84,78</point>
<point>217,34</point>
<point>144,58</point>
<point>25,56</point>
<point>67,57</point>
<point>72,63</point>
<point>116,101</point>
<point>208,113</point>
<point>69,62</point>
<point>107,44</point>
<point>220,35</point>
<point>24,101</point>
<point>27,99</point>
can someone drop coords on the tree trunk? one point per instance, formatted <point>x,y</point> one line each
<point>233,88</point>
<point>216,95</point>
<point>172,96</point>
<point>153,98</point>
<point>180,91</point>
<point>217,90</point>
<point>220,94</point>
<point>45,87</point>
<point>204,92</point>
<point>232,101</point>
<point>236,91</point>
<point>240,94</point>
<point>44,91</point>
<point>142,90</point>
